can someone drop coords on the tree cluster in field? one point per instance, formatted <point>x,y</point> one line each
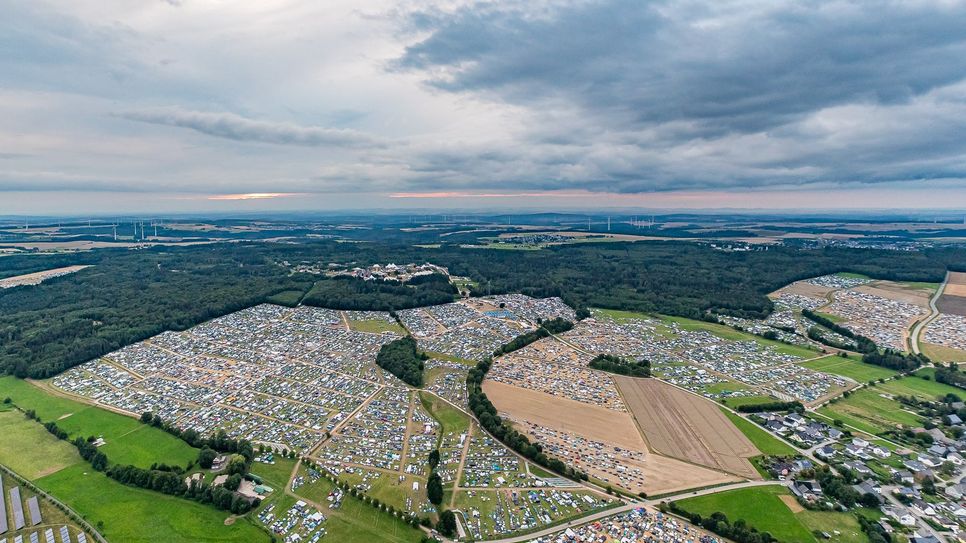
<point>401,357</point>
<point>795,406</point>
<point>621,366</point>
<point>862,343</point>
<point>738,531</point>
<point>345,292</point>
<point>894,360</point>
<point>169,479</point>
<point>127,296</point>
<point>556,325</point>
<point>951,376</point>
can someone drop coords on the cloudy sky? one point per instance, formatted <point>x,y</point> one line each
<point>114,105</point>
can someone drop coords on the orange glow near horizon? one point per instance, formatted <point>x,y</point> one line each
<point>253,196</point>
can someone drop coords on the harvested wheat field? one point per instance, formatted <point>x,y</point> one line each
<point>576,424</point>
<point>803,288</point>
<point>895,291</point>
<point>686,426</point>
<point>956,286</point>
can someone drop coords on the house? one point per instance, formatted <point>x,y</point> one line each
<point>926,539</point>
<point>937,450</point>
<point>869,486</point>
<point>905,477</point>
<point>857,467</point>
<point>900,514</point>
<point>881,451</point>
<point>825,452</point>
<point>953,419</point>
<point>834,433</point>
<point>807,490</point>
<point>956,491</point>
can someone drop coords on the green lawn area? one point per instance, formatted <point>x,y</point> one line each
<point>376,326</point>
<point>746,400</point>
<point>128,441</point>
<point>275,475</point>
<point>355,521</point>
<point>831,317</point>
<point>849,367</point>
<point>135,515</point>
<point>453,420</point>
<point>763,508</point>
<point>449,358</point>
<point>286,297</point>
<point>940,353</point>
<point>916,386</point>
<point>31,450</point>
<point>765,442</point>
<point>726,332</point>
<point>870,412</point>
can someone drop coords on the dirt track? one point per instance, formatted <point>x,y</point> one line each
<point>688,427</point>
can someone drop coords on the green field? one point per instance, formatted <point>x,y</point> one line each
<point>850,275</point>
<point>128,514</point>
<point>453,420</point>
<point>940,353</point>
<point>746,400</point>
<point>765,442</point>
<point>128,441</point>
<point>47,454</point>
<point>916,386</point>
<point>134,515</point>
<point>851,368</point>
<point>763,508</point>
<point>355,521</point>
<point>870,412</point>
<point>287,297</point>
<point>376,326</point>
<point>834,318</point>
<point>275,475</point>
<point>51,515</point>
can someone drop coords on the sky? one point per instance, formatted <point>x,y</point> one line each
<point>113,106</point>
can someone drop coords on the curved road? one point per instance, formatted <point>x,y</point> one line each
<point>934,312</point>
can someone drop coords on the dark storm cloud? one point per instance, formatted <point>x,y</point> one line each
<point>728,68</point>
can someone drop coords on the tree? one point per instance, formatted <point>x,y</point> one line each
<point>447,523</point>
<point>433,459</point>
<point>434,489</point>
<point>233,482</point>
<point>206,457</point>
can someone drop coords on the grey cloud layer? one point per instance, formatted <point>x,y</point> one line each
<point>603,95</point>
<point>236,127</point>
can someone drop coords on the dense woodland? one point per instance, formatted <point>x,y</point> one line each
<point>129,295</point>
<point>346,292</point>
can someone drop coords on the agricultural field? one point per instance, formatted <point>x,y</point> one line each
<point>127,440</point>
<point>773,509</point>
<point>871,410</point>
<point>685,426</point>
<point>47,454</point>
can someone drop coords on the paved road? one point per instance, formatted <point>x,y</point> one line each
<point>629,507</point>
<point>934,312</point>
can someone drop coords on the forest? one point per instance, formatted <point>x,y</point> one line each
<point>130,295</point>
<point>344,292</point>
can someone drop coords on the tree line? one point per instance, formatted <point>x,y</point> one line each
<point>771,406</point>
<point>738,531</point>
<point>862,343</point>
<point>556,325</point>
<point>164,479</point>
